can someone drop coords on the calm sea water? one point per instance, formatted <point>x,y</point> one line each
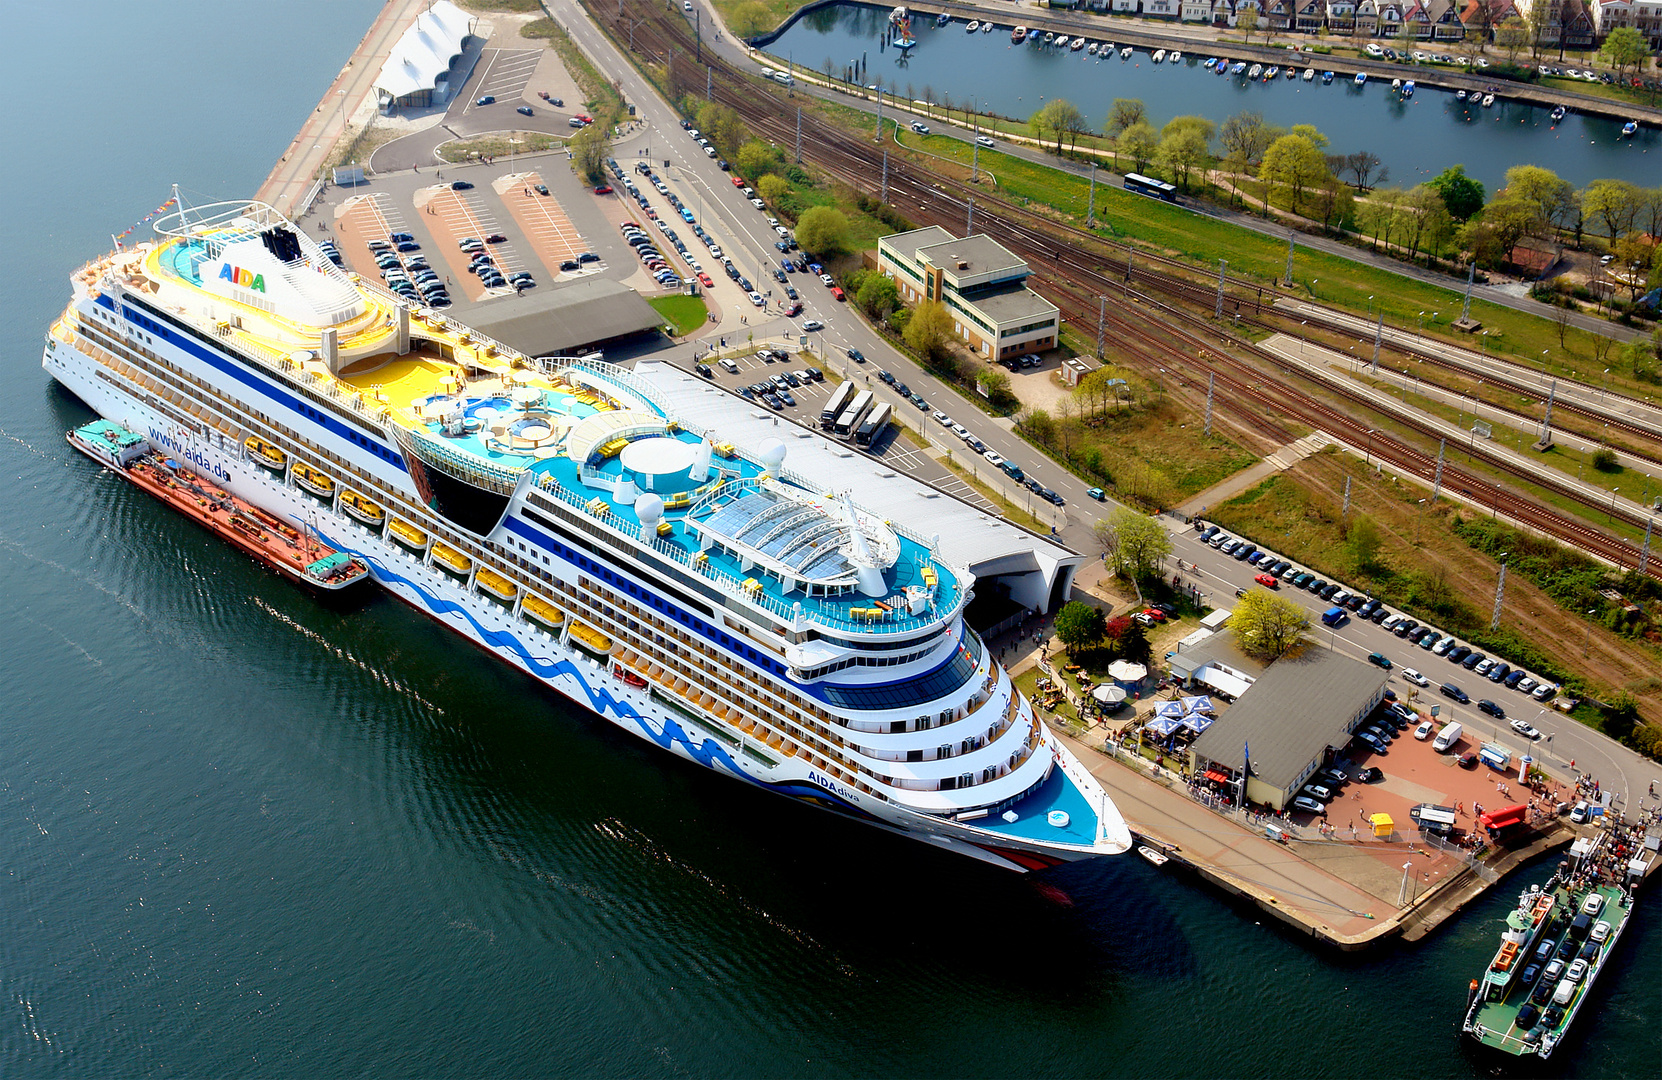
<point>248,834</point>
<point>1417,138</point>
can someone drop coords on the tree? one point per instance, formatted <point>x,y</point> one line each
<point>1613,204</point>
<point>1423,206</point>
<point>1245,136</point>
<point>756,159</point>
<point>1552,197</point>
<point>749,19</point>
<point>1511,219</point>
<point>1061,118</point>
<point>1362,542</point>
<point>929,331</point>
<point>995,385</point>
<point>1140,543</point>
<point>1462,195</point>
<point>1308,131</point>
<point>1296,163</point>
<point>1625,48</point>
<point>1267,625</point>
<point>776,192</point>
<point>1124,113</point>
<point>822,230</point>
<point>1246,22</point>
<point>1512,35</point>
<point>1366,169</point>
<point>1538,18</point>
<point>878,295</point>
<point>1079,625</point>
<point>1182,152</point>
<point>589,149</point>
<point>1140,143</point>
<point>722,126</point>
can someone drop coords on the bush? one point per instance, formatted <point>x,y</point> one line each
<point>1604,460</point>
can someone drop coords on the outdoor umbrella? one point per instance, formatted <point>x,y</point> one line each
<point>1170,709</point>
<point>1198,723</point>
<point>1109,694</point>
<point>1161,725</point>
<point>1198,704</point>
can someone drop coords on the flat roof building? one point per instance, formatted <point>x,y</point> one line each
<point>566,319</point>
<point>1296,714</point>
<point>981,282</point>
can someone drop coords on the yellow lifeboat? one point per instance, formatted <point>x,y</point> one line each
<point>408,535</point>
<point>265,454</point>
<point>363,509</point>
<point>496,585</point>
<point>589,639</point>
<point>450,559</point>
<point>539,610</point>
<point>315,481</point>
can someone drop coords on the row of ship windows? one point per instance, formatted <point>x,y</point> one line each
<point>865,661</point>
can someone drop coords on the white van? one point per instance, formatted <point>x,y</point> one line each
<point>731,368</point>
<point>1446,738</point>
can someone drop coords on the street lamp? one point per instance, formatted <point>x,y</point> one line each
<point>1613,502</point>
<point>1417,521</point>
<point>1367,452</point>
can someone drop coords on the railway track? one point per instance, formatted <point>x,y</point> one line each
<point>1078,268</point>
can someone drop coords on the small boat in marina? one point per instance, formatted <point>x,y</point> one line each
<point>1157,858</point>
<point>1033,34</point>
<point>1558,114</point>
<point>1271,73</point>
<point>987,27</point>
<point>1630,129</point>
<point>1408,89</point>
<point>943,19</point>
<point>1018,35</point>
<point>1396,84</point>
<point>1309,73</point>
<point>1238,67</point>
<point>974,25</point>
<point>1211,62</point>
<point>1488,100</point>
<point>1255,70</point>
<point>1159,56</point>
<point>1291,74</point>
<point>1459,95</point>
<point>1173,57</point>
<point>1361,77</point>
<point>1049,38</point>
<point>1078,43</point>
<point>1125,53</point>
<point>1327,77</point>
<point>1090,49</point>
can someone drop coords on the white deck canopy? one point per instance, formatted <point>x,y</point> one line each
<point>424,52</point>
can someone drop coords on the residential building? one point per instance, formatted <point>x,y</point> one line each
<point>981,282</point>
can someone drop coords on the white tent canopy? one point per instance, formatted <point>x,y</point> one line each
<point>424,52</point>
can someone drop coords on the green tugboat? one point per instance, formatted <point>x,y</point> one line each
<point>1556,943</point>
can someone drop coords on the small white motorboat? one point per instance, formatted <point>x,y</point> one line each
<point>1459,95</point>
<point>973,26</point>
<point>1158,858</point>
<point>1125,53</point>
<point>1309,74</point>
<point>1159,56</point>
<point>1488,100</point>
<point>1173,57</point>
<point>1255,70</point>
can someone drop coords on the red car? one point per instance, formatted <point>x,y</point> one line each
<point>739,181</point>
<point>837,292</point>
<point>603,189</point>
<point>1268,581</point>
<point>1155,613</point>
<point>793,311</point>
<point>705,279</point>
<point>587,119</point>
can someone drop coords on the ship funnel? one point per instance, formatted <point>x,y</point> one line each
<point>701,462</point>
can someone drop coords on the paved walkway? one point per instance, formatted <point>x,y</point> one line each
<point>1281,458</point>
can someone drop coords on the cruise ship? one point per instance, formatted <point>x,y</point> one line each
<point>736,590</point>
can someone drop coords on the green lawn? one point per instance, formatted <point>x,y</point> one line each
<point>684,313</point>
<point>1332,280</point>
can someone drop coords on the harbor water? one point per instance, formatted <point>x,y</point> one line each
<point>1416,138</point>
<point>249,833</point>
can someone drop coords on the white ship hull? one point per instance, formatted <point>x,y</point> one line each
<point>540,653</point>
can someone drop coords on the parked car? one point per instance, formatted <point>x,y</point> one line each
<point>1268,581</point>
<point>1415,677</point>
<point>1423,732</point>
<point>1449,690</point>
<point>1301,802</point>
<point>1484,705</point>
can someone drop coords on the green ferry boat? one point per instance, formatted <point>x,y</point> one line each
<point>1555,945</point>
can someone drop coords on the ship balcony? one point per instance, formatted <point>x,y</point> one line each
<point>927,775</point>
<point>990,719</point>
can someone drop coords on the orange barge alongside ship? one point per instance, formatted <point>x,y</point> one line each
<point>275,543</point>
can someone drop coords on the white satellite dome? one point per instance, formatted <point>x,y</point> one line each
<point>650,509</point>
<point>772,453</point>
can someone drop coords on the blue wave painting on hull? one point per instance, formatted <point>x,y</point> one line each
<point>707,753</point>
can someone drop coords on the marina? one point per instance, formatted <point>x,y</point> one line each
<point>1416,136</point>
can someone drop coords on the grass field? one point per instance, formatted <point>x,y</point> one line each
<point>684,313</point>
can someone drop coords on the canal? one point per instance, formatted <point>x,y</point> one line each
<point>1416,138</point>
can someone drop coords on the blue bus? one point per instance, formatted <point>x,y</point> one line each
<point>1147,185</point>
